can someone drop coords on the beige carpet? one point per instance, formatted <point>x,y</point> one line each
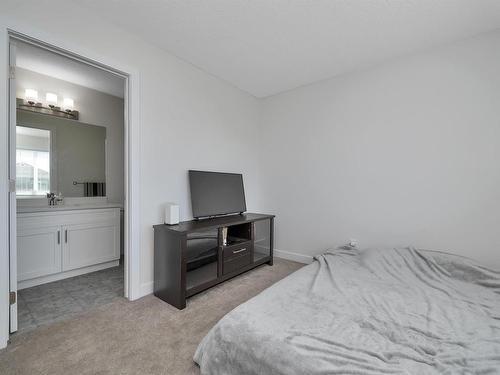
<point>146,336</point>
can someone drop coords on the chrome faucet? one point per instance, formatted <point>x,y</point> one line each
<point>54,199</point>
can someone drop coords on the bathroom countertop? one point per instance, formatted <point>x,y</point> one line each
<point>69,207</point>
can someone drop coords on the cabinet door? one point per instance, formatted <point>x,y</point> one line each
<point>262,239</point>
<point>89,244</point>
<point>202,257</point>
<point>38,252</point>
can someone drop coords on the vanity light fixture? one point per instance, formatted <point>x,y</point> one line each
<point>31,96</point>
<point>51,100</point>
<point>50,107</point>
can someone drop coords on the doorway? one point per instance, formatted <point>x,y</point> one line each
<point>37,171</point>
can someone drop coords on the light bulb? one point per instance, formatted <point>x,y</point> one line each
<point>51,99</point>
<point>68,104</point>
<point>31,96</point>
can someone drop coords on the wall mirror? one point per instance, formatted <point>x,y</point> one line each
<point>59,155</point>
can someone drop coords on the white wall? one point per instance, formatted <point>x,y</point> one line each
<point>189,119</point>
<point>96,108</point>
<point>406,153</point>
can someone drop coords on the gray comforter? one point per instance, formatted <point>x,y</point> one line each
<point>401,311</point>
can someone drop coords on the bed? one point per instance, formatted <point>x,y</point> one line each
<point>398,311</point>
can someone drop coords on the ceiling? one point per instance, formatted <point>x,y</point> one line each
<point>57,66</point>
<point>268,46</point>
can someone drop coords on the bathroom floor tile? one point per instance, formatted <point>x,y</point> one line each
<point>48,303</point>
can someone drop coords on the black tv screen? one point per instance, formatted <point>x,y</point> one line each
<point>215,193</point>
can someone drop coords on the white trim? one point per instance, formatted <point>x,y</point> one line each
<point>12,195</point>
<point>147,288</point>
<point>132,219</point>
<point>64,275</point>
<point>296,257</point>
<point>132,157</point>
<point>4,190</point>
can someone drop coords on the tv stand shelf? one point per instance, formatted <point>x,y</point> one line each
<point>192,256</point>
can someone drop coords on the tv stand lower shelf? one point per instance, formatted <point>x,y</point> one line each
<point>193,256</point>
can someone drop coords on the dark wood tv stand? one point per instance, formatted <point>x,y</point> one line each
<point>191,256</point>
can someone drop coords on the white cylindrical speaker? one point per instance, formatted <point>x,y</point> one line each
<point>171,213</point>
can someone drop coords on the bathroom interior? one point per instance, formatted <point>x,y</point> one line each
<point>69,164</point>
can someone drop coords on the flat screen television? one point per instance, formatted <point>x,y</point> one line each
<point>215,193</point>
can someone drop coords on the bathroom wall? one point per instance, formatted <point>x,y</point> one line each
<point>96,108</point>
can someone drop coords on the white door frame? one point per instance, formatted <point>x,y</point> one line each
<point>12,193</point>
<point>132,156</point>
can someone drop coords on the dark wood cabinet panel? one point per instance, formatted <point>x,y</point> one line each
<point>193,256</point>
<point>232,251</point>
<point>235,263</point>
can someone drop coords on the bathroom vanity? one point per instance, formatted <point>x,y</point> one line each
<point>57,242</point>
<point>77,234</point>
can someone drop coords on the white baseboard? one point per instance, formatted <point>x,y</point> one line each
<point>64,275</point>
<point>296,257</point>
<point>146,288</point>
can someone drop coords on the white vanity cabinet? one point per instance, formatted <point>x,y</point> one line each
<point>65,243</point>
<point>88,244</point>
<point>38,252</point>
